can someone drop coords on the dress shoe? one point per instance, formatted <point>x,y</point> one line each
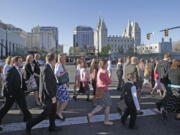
<point>132,127</point>
<point>51,129</point>
<point>28,128</point>
<point>119,111</point>
<point>140,112</point>
<point>158,106</point>
<point>26,119</point>
<point>88,118</point>
<point>164,115</point>
<point>75,98</point>
<point>177,118</point>
<point>87,99</point>
<point>123,122</point>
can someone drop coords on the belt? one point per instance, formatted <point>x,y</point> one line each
<point>173,86</point>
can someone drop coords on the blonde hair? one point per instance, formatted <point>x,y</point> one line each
<point>102,63</point>
<point>60,56</point>
<point>9,60</point>
<point>28,58</point>
<point>147,70</point>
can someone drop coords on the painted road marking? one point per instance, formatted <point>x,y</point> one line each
<point>11,127</point>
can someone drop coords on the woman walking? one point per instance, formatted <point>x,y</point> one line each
<point>157,87</point>
<point>1,80</point>
<point>147,86</point>
<point>8,65</point>
<point>77,78</point>
<point>141,68</point>
<point>103,99</point>
<point>62,93</point>
<point>172,98</point>
<point>93,72</point>
<point>28,72</point>
<point>84,80</point>
<point>119,73</point>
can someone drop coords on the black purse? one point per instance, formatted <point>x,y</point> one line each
<point>63,79</point>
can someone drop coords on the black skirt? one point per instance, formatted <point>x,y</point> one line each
<point>172,100</point>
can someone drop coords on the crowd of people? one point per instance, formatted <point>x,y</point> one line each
<point>50,85</point>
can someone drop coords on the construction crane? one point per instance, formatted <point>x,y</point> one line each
<point>166,32</point>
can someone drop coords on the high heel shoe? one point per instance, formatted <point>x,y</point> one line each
<point>61,118</point>
<point>75,98</point>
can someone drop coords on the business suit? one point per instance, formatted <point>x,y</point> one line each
<point>131,108</point>
<point>37,70</point>
<point>132,69</point>
<point>28,71</point>
<point>14,91</point>
<point>46,92</point>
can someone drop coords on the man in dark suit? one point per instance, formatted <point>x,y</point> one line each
<point>37,71</point>
<point>14,90</point>
<point>47,93</point>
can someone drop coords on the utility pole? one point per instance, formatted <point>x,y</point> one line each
<point>6,47</point>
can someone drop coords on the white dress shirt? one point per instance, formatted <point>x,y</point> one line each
<point>134,95</point>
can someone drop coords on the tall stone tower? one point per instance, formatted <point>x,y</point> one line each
<point>100,35</point>
<point>133,31</point>
<point>136,33</point>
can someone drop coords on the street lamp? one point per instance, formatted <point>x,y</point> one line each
<point>6,47</point>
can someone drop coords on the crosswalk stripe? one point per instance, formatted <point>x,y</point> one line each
<point>11,127</point>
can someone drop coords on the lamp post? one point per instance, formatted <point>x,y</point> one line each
<point>6,46</point>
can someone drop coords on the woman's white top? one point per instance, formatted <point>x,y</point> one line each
<point>78,69</point>
<point>6,69</point>
<point>58,69</point>
<point>82,70</point>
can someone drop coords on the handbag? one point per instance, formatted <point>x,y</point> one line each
<point>63,79</point>
<point>99,93</point>
<point>31,83</point>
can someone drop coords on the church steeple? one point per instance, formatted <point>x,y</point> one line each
<point>103,25</point>
<point>99,23</point>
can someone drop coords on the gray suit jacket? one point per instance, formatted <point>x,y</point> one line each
<point>47,88</point>
<point>131,68</point>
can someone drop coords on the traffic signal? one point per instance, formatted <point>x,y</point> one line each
<point>166,33</point>
<point>148,36</point>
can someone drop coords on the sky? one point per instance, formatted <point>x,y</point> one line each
<point>152,15</point>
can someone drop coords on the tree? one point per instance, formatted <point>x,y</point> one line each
<point>131,52</point>
<point>76,51</point>
<point>105,51</point>
<point>20,51</point>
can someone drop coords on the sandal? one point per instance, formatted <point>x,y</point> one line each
<point>108,123</point>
